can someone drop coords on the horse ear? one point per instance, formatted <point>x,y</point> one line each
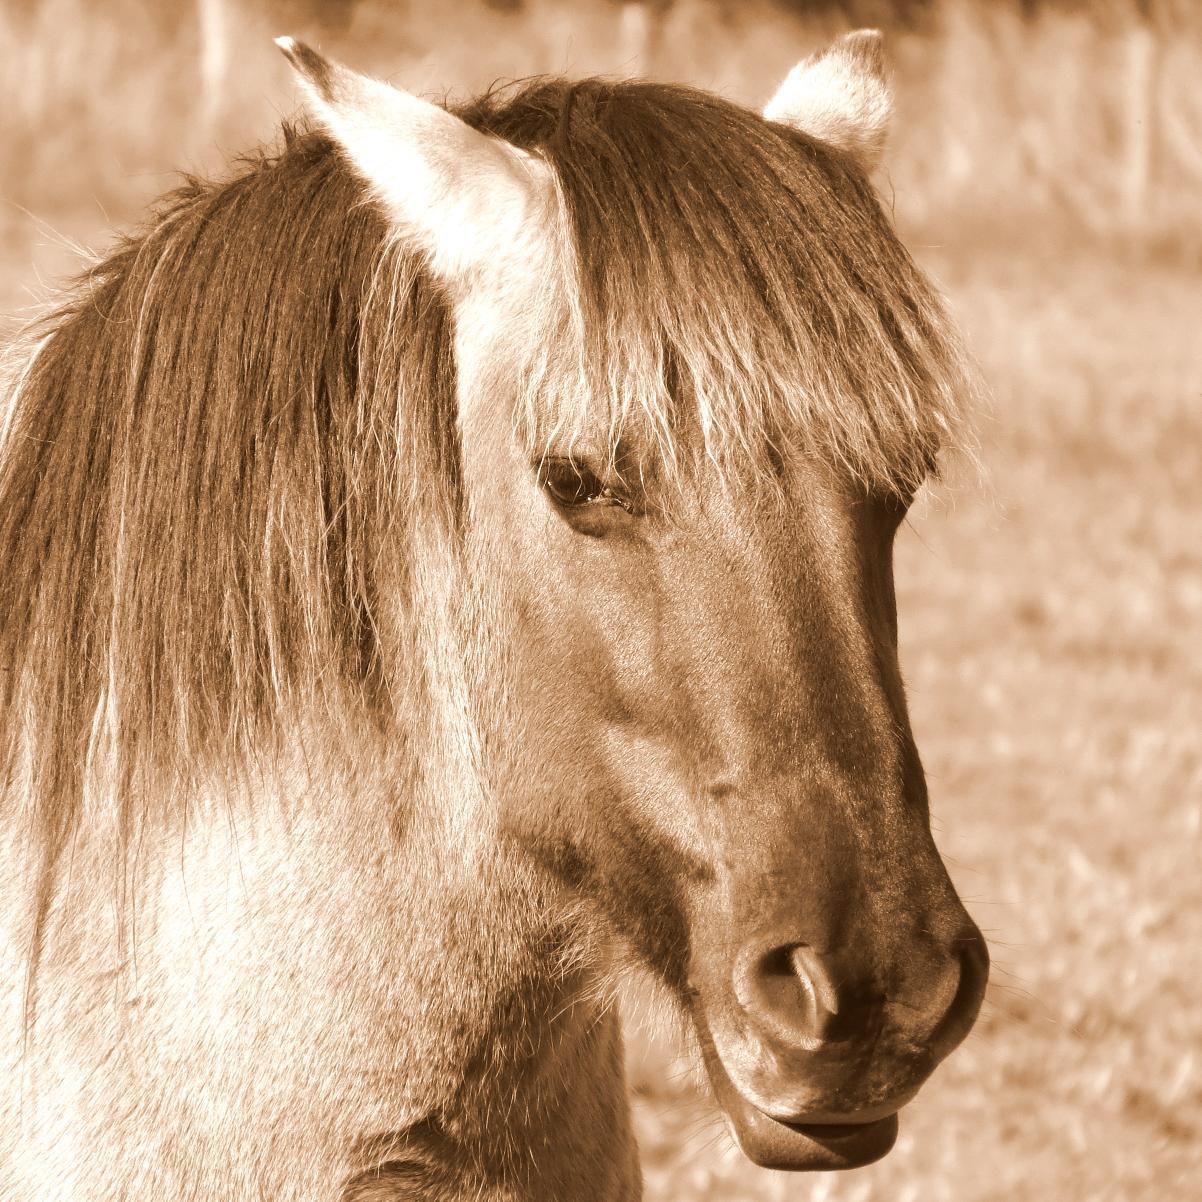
<point>841,96</point>
<point>465,198</point>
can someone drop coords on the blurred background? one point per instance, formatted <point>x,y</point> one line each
<point>1046,167</point>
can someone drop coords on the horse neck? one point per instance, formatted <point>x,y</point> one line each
<point>416,997</point>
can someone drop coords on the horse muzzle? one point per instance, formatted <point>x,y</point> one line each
<point>793,1144</point>
<point>811,1060</point>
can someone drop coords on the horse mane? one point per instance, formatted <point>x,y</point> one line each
<point>199,462</point>
<point>241,404</point>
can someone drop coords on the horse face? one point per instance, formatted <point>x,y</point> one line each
<point>721,755</point>
<point>709,737</point>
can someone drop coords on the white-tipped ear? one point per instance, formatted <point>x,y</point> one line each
<point>840,96</point>
<point>465,198</point>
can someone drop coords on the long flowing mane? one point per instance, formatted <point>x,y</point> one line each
<point>244,402</point>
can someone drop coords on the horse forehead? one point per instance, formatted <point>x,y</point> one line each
<point>795,506</point>
<point>512,309</point>
<point>770,547</point>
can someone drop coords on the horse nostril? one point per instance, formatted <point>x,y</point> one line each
<point>817,986</point>
<point>804,999</point>
<point>962,1013</point>
<point>790,991</point>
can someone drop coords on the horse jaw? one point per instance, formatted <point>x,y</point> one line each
<point>466,199</point>
<point>840,96</point>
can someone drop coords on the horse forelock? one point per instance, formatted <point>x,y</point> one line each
<point>736,291</point>
<point>245,402</point>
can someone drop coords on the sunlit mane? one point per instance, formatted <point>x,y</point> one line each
<point>244,403</point>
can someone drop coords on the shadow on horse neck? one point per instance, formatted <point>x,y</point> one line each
<point>446,563</point>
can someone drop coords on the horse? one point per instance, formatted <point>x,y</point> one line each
<point>448,566</point>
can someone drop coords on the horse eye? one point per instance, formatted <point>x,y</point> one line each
<point>571,483</point>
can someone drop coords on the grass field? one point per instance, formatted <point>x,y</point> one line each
<point>1051,613</point>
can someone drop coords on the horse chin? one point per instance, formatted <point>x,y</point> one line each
<point>794,1146</point>
<point>809,1146</point>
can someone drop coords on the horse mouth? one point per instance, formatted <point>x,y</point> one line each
<point>790,1145</point>
<point>812,1146</point>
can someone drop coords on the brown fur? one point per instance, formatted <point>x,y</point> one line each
<point>228,374</point>
<point>239,589</point>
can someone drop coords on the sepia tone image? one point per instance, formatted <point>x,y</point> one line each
<point>600,599</point>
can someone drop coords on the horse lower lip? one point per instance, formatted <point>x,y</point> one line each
<point>796,1146</point>
<point>872,1139</point>
<point>811,1146</point>
<point>833,1131</point>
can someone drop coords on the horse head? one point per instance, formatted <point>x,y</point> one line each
<point>698,384</point>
